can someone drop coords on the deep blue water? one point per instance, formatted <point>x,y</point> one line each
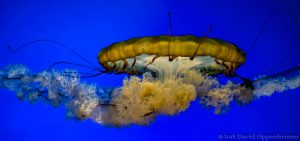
<point>89,26</point>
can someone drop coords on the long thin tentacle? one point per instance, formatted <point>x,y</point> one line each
<point>14,50</point>
<point>170,30</point>
<point>75,64</point>
<point>206,34</point>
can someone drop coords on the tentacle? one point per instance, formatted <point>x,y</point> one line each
<point>71,63</point>
<point>15,50</point>
<point>151,62</point>
<point>170,31</point>
<point>134,61</point>
<point>195,53</point>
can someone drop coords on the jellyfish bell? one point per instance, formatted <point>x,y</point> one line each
<point>168,56</point>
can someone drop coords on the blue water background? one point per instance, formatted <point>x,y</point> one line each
<point>89,26</point>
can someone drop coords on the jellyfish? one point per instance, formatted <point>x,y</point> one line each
<point>166,73</point>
